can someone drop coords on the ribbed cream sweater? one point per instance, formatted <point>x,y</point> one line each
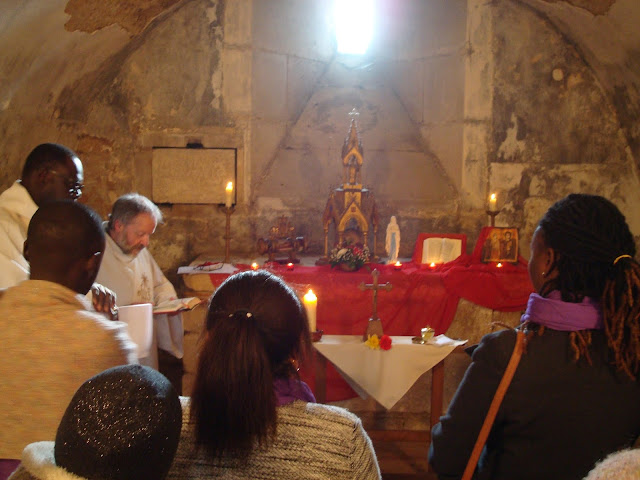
<point>314,441</point>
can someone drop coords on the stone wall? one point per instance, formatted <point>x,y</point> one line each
<point>532,99</point>
<point>555,129</point>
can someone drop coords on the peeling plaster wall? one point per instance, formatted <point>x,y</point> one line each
<point>555,127</point>
<point>260,76</point>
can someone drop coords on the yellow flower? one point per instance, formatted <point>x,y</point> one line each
<point>373,342</point>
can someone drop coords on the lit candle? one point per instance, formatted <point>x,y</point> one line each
<point>397,265</point>
<point>493,200</point>
<point>229,195</point>
<point>254,266</point>
<point>499,265</point>
<point>310,303</point>
<point>289,266</point>
<point>432,265</point>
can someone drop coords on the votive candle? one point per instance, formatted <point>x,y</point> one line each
<point>254,266</point>
<point>310,302</point>
<point>397,265</point>
<point>289,266</point>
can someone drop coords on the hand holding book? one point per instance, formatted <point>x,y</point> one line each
<point>177,305</point>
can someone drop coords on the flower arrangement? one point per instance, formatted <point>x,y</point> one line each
<point>375,343</point>
<point>352,255</point>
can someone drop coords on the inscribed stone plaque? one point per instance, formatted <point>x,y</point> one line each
<point>192,175</point>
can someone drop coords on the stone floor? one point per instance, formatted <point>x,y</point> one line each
<point>401,460</point>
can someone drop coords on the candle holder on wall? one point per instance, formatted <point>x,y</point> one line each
<point>492,214</point>
<point>228,211</point>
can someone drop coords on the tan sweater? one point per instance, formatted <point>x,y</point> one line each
<point>314,441</point>
<point>51,344</point>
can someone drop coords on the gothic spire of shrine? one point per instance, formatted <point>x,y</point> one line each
<point>352,155</point>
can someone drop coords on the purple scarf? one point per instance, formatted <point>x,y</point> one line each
<point>290,389</point>
<point>552,312</point>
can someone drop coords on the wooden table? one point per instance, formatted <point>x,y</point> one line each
<point>437,375</point>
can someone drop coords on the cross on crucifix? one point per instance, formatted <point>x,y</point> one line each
<point>375,286</point>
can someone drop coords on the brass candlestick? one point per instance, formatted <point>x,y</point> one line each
<point>227,231</point>
<point>492,214</point>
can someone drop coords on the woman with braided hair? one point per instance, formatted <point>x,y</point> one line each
<point>575,396</point>
<point>250,416</point>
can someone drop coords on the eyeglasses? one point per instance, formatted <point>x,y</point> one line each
<point>74,187</point>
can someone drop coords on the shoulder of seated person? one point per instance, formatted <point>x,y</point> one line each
<point>331,412</point>
<point>494,340</point>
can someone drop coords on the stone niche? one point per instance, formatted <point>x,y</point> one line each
<point>192,175</point>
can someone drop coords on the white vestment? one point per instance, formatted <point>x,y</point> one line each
<point>16,209</point>
<point>138,279</point>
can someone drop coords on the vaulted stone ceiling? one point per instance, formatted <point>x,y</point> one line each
<point>132,15</point>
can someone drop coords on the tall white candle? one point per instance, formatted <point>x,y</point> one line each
<point>310,302</point>
<point>229,195</point>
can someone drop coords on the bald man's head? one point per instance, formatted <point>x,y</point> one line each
<point>52,172</point>
<point>65,242</point>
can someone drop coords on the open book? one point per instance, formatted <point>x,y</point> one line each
<point>441,249</point>
<point>177,305</point>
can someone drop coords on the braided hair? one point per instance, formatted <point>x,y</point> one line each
<point>595,251</point>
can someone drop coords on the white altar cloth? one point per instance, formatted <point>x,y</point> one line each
<point>386,375</point>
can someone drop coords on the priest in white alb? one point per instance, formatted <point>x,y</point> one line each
<point>129,270</point>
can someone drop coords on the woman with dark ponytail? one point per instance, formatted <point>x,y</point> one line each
<point>575,396</point>
<point>250,415</point>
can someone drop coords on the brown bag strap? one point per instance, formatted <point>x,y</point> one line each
<point>495,405</point>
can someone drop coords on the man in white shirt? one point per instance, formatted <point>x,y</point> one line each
<point>50,172</point>
<point>131,272</point>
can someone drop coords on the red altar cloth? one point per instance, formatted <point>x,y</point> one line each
<point>420,296</point>
<point>506,288</point>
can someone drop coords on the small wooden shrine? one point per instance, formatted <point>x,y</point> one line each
<point>351,208</point>
<point>282,239</point>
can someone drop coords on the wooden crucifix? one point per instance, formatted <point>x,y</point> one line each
<point>374,326</point>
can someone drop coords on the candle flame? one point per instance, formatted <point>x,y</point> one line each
<point>229,187</point>
<point>310,296</point>
<point>254,265</point>
<point>432,264</point>
<point>492,197</point>
<point>499,265</point>
<point>398,264</point>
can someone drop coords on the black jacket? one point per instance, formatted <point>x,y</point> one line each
<point>557,418</point>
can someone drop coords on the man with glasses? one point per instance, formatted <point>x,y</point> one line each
<point>51,172</point>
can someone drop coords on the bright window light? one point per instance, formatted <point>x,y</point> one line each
<point>354,25</point>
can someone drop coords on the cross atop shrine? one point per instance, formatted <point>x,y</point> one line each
<point>375,325</point>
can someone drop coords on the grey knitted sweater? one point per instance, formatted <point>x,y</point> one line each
<point>314,441</point>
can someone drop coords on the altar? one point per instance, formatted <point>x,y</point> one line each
<point>421,296</point>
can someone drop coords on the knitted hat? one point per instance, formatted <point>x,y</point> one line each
<point>123,423</point>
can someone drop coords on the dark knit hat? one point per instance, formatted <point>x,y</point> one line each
<point>123,423</point>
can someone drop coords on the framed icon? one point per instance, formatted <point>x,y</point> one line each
<point>501,245</point>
